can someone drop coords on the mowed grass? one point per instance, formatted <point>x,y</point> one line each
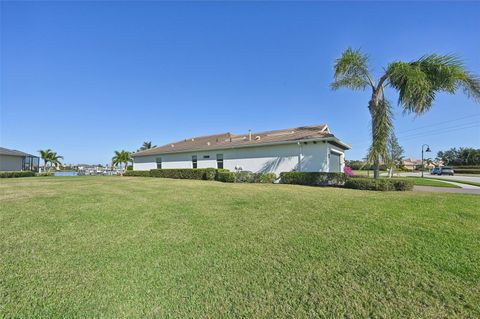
<point>431,182</point>
<point>149,247</point>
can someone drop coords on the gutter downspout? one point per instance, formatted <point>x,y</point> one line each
<point>300,156</point>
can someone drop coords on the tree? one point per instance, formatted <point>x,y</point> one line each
<point>416,82</point>
<point>146,146</point>
<point>394,153</point>
<point>45,155</point>
<point>461,156</point>
<point>55,159</point>
<point>121,157</point>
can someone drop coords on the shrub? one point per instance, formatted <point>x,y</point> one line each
<point>382,184</point>
<point>44,174</point>
<point>12,174</point>
<point>347,170</point>
<point>467,170</point>
<point>137,173</point>
<point>313,178</point>
<point>244,177</point>
<point>264,178</point>
<point>225,176</point>
<point>402,184</point>
<point>185,173</point>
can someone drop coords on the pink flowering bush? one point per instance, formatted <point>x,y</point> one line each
<point>347,170</point>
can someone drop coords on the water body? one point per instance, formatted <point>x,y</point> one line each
<point>65,174</point>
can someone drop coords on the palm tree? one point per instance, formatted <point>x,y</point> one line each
<point>146,146</point>
<point>55,159</point>
<point>417,83</point>
<point>121,157</point>
<point>45,155</point>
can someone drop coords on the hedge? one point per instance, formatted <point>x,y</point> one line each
<point>12,174</point>
<point>137,173</point>
<point>313,178</point>
<point>264,178</point>
<point>225,176</point>
<point>466,170</point>
<point>382,184</point>
<point>185,173</point>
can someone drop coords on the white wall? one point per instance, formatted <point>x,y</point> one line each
<point>308,157</point>
<point>11,163</point>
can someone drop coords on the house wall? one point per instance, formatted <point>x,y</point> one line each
<point>305,157</point>
<point>11,163</point>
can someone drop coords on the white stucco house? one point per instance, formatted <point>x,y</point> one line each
<point>306,149</point>
<point>13,160</point>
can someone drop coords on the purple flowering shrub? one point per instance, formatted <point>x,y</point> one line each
<point>347,170</point>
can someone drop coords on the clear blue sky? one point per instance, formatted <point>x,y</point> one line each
<point>88,78</point>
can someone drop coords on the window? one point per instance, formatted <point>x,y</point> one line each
<point>159,162</point>
<point>206,156</point>
<point>220,161</point>
<point>194,161</point>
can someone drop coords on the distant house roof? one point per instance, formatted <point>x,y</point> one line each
<point>230,140</point>
<point>6,151</point>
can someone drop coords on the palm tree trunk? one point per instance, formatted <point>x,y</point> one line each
<point>372,105</point>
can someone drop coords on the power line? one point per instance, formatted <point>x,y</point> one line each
<point>442,129</point>
<point>441,132</point>
<point>440,123</point>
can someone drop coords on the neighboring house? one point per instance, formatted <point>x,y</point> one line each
<point>305,149</point>
<point>413,164</point>
<point>13,160</point>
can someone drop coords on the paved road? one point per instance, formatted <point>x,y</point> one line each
<point>473,178</point>
<point>446,190</point>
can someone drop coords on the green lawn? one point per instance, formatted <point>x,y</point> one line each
<point>148,247</point>
<point>431,182</point>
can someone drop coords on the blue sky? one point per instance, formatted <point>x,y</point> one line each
<point>88,78</point>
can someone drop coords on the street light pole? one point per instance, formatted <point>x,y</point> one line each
<point>427,150</point>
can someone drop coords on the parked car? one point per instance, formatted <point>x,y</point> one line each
<point>446,171</point>
<point>435,171</point>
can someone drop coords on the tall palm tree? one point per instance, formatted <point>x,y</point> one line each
<point>45,155</point>
<point>121,157</point>
<point>416,82</point>
<point>146,146</point>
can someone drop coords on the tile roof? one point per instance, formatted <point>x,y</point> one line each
<point>6,151</point>
<point>230,140</point>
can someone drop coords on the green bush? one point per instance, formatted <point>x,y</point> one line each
<point>381,184</point>
<point>402,184</point>
<point>264,178</point>
<point>137,173</point>
<point>185,173</point>
<point>466,170</point>
<point>466,167</point>
<point>44,174</point>
<point>225,176</point>
<point>313,178</point>
<point>244,177</point>
<point>12,174</point>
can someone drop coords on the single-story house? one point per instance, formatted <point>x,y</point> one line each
<point>304,149</point>
<point>13,160</point>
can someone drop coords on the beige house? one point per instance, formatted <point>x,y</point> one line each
<point>13,160</point>
<point>305,149</point>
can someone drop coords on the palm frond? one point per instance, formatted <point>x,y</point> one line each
<point>418,81</point>
<point>351,71</point>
